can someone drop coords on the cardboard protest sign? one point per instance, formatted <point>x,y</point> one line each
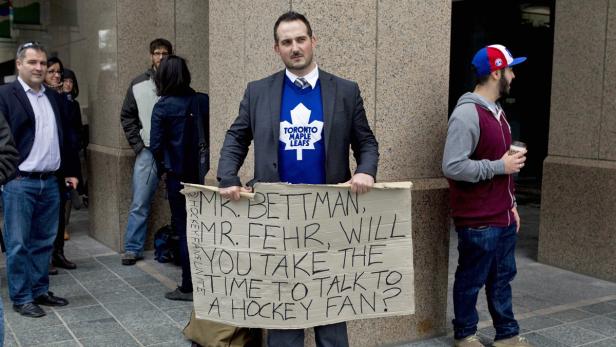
<point>296,256</point>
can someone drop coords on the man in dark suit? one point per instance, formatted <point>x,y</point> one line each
<point>8,164</point>
<point>31,198</point>
<point>302,121</point>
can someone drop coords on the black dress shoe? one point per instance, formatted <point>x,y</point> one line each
<point>50,300</point>
<point>52,270</point>
<point>29,310</point>
<point>60,260</point>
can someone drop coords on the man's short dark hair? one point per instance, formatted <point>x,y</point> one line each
<point>290,17</point>
<point>21,50</point>
<point>479,80</point>
<point>161,43</point>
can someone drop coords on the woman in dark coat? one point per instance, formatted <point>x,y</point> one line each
<point>174,141</point>
<point>54,79</point>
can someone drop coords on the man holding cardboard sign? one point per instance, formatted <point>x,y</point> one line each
<point>303,121</point>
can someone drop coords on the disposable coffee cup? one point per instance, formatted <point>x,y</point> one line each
<point>517,146</point>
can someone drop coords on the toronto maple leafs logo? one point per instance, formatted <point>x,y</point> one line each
<point>300,135</point>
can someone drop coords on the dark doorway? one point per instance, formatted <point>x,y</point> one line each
<point>526,28</point>
<point>7,68</point>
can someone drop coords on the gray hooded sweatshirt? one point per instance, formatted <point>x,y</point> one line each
<point>462,139</point>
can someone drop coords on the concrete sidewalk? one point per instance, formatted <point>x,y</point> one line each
<point>554,307</point>
<point>115,305</point>
<point>110,304</point>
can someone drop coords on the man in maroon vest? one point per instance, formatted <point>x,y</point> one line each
<point>478,166</point>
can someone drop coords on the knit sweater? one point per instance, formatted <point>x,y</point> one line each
<point>301,153</point>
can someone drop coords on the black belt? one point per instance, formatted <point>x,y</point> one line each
<point>37,175</point>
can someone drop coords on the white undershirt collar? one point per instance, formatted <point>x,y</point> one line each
<point>312,77</point>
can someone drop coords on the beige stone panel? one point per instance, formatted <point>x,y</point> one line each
<point>104,195</point>
<point>7,50</point>
<point>72,47</point>
<point>577,75</point>
<point>241,50</point>
<point>259,56</point>
<point>138,23</point>
<point>116,36</point>
<point>192,39</point>
<point>226,71</point>
<point>68,41</point>
<point>412,87</point>
<point>97,22</point>
<point>607,149</point>
<point>578,214</point>
<point>346,42</point>
<point>80,66</point>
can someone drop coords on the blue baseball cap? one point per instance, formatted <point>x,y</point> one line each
<point>492,58</point>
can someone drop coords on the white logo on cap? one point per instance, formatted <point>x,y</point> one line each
<point>498,62</point>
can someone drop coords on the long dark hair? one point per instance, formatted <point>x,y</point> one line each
<point>70,74</point>
<point>172,77</point>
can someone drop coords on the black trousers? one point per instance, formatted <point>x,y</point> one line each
<point>58,244</point>
<point>177,204</point>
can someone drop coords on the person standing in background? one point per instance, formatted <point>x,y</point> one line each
<point>36,116</point>
<point>9,157</point>
<point>136,118</point>
<point>180,129</point>
<point>58,259</point>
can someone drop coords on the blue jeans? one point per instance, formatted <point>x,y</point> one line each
<point>486,257</point>
<point>145,182</point>
<point>331,335</point>
<point>31,208</point>
<point>1,324</point>
<point>177,204</point>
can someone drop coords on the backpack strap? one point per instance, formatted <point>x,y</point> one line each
<point>203,129</point>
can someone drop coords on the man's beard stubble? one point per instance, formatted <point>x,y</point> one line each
<point>503,86</point>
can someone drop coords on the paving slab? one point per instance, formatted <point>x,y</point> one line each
<point>537,323</point>
<point>89,328</point>
<point>538,340</point>
<point>83,314</point>
<point>603,343</point>
<point>144,320</point>
<point>69,343</point>
<point>158,334</point>
<point>599,324</point>
<point>121,339</point>
<point>42,335</point>
<point>129,306</point>
<point>600,308</point>
<point>572,315</point>
<point>572,335</point>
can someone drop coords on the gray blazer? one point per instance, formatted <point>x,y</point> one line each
<point>345,125</point>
